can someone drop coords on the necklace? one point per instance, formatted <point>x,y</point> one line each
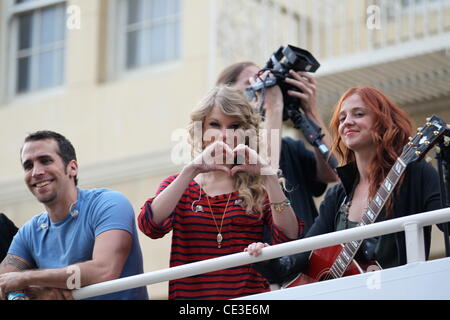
<point>219,237</point>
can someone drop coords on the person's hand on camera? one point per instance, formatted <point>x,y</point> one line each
<point>273,107</point>
<point>307,85</point>
<point>273,100</point>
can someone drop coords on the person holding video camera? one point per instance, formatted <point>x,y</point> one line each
<point>307,173</point>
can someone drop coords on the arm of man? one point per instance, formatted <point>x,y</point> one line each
<point>15,264</point>
<point>274,124</point>
<point>11,264</point>
<point>110,252</point>
<point>324,172</point>
<point>273,106</point>
<point>307,84</point>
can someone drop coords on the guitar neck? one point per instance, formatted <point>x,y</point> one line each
<point>414,150</point>
<point>369,216</point>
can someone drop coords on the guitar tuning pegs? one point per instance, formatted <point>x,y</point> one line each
<point>428,124</point>
<point>410,144</point>
<point>436,133</point>
<point>446,141</point>
<point>427,142</point>
<point>410,138</point>
<point>428,119</point>
<point>418,153</point>
<point>420,134</point>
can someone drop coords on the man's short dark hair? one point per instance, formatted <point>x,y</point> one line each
<point>66,150</point>
<point>230,74</point>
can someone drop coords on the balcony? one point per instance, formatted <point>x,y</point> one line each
<point>401,47</point>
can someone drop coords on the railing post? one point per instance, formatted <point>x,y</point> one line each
<point>440,17</point>
<point>412,19</point>
<point>415,247</point>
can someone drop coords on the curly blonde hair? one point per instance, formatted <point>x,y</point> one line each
<point>233,103</point>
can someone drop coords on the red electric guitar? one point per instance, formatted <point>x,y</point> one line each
<point>338,261</point>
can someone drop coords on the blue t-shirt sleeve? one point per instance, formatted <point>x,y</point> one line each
<point>20,246</point>
<point>111,211</point>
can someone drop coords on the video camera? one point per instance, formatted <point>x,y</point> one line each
<point>285,59</point>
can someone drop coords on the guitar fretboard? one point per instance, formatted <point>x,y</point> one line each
<point>369,216</point>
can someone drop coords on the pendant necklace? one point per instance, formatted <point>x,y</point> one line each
<point>219,230</point>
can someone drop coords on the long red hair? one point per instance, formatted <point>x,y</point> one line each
<point>391,130</point>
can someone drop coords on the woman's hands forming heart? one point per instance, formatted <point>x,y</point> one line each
<point>220,156</point>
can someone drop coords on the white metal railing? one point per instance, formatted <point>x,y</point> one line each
<point>412,225</point>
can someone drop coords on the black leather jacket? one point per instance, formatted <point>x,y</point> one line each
<point>7,232</point>
<point>418,193</point>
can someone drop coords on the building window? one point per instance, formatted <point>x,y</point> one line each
<point>152,32</point>
<point>38,38</point>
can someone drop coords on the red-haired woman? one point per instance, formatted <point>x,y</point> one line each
<point>369,132</point>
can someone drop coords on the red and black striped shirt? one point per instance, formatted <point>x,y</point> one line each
<point>194,239</point>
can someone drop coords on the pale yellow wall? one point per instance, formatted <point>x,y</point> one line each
<point>130,115</point>
<point>115,118</point>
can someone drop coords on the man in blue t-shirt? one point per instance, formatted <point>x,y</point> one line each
<point>83,237</point>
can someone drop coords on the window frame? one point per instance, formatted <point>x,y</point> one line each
<point>117,43</point>
<point>12,10</point>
